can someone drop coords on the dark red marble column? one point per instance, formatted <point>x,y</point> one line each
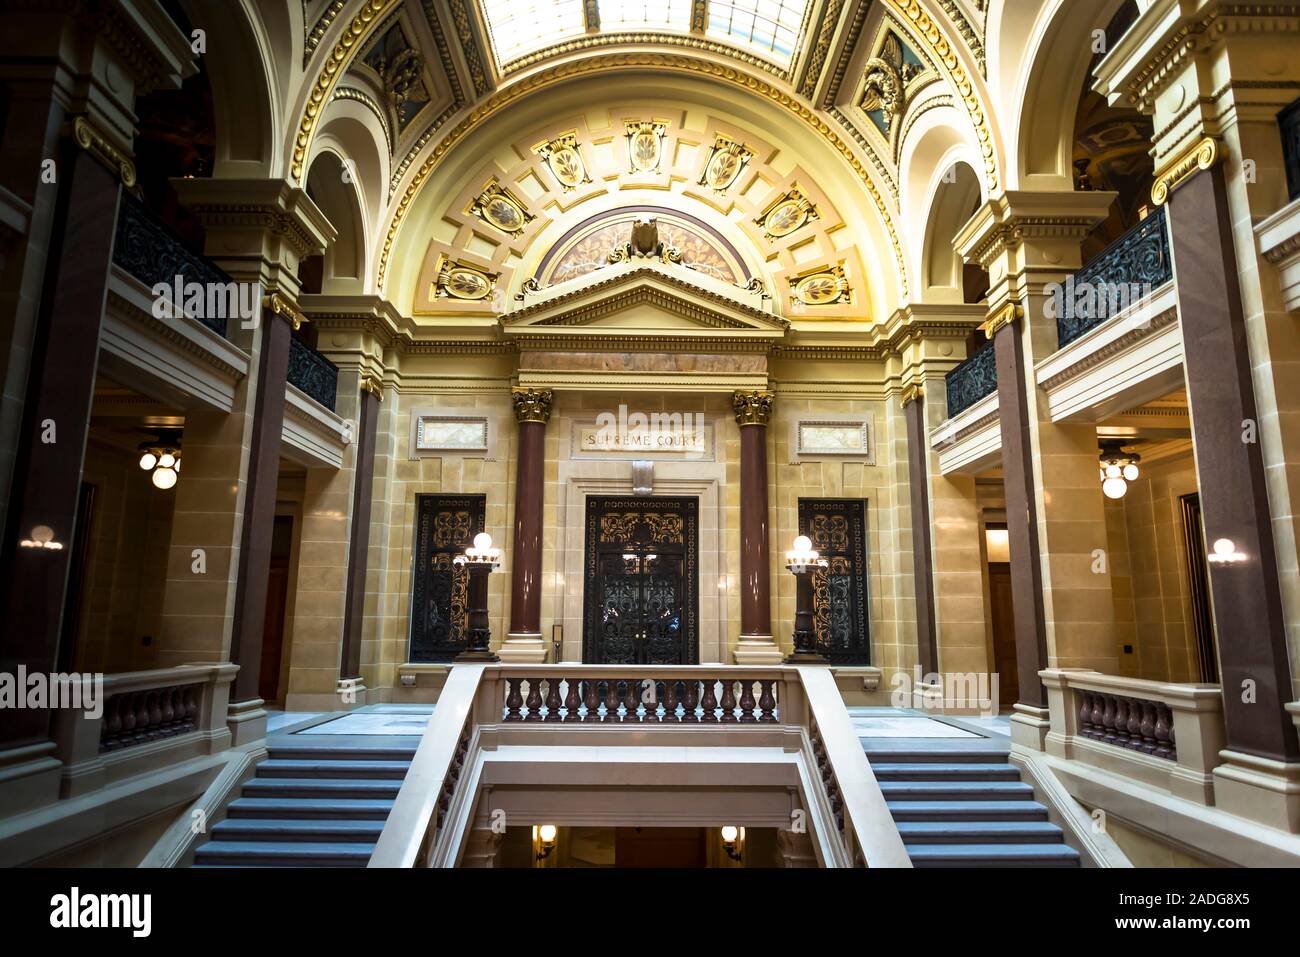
<point>56,419</point>
<point>359,544</point>
<point>1022,515</point>
<point>532,410</point>
<point>259,498</point>
<point>1248,614</point>
<point>753,409</point>
<point>922,564</point>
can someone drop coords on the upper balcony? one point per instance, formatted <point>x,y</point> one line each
<point>1278,236</point>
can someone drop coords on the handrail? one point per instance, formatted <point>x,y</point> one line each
<point>316,376</point>
<point>481,702</point>
<point>972,380</point>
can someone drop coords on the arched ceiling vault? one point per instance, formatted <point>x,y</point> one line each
<point>818,88</point>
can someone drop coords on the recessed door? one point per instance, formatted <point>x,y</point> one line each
<point>838,529</point>
<point>641,597</point>
<point>445,526</point>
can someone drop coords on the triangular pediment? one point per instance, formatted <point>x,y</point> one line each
<point>645,300</point>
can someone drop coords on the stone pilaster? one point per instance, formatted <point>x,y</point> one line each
<point>1055,517</point>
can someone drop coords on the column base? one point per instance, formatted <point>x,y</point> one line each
<point>246,721</point>
<point>29,778</point>
<point>524,649</point>
<point>1259,789</point>
<point>805,658</point>
<point>352,692</point>
<point>757,650</point>
<point>476,656</point>
<point>1029,727</point>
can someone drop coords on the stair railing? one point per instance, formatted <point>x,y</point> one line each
<point>601,704</point>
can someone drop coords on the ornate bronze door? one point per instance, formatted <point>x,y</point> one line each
<point>444,526</point>
<point>838,529</point>
<point>642,598</point>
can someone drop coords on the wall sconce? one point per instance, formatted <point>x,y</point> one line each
<point>1118,468</point>
<point>162,457</point>
<point>802,560</point>
<point>1225,552</point>
<point>544,837</point>
<point>481,559</point>
<point>733,841</point>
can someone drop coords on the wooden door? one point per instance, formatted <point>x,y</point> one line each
<point>661,847</point>
<point>1004,634</point>
<point>277,601</point>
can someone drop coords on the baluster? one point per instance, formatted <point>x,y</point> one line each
<point>631,699</point>
<point>709,703</point>
<point>128,717</point>
<point>553,699</point>
<point>1121,722</point>
<point>1148,727</point>
<point>766,701</point>
<point>534,702</point>
<point>747,701</point>
<point>571,701</point>
<point>191,706</point>
<point>1163,724</point>
<point>141,717</point>
<point>513,700</point>
<point>1135,725</point>
<point>168,712</point>
<point>728,702</point>
<point>670,700</point>
<point>1108,720</point>
<point>1085,714</point>
<point>690,700</point>
<point>591,698</point>
<point>611,700</point>
<point>155,712</point>
<point>1098,719</point>
<point>112,723</point>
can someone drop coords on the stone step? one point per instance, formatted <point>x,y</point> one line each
<point>387,752</point>
<point>301,768</point>
<point>967,811</point>
<point>922,771</point>
<point>292,829</point>
<point>284,854</point>
<point>912,756</point>
<point>992,855</point>
<point>321,788</point>
<point>956,790</point>
<point>284,808</point>
<point>979,832</point>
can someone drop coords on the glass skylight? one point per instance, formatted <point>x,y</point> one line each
<point>617,16</point>
<point>520,27</point>
<point>770,27</point>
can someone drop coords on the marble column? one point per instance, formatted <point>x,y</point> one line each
<point>52,440</point>
<point>755,646</point>
<point>359,543</point>
<point>1247,603</point>
<point>524,641</point>
<point>922,560</point>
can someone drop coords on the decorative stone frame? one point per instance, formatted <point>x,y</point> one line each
<point>439,414</point>
<point>801,453</point>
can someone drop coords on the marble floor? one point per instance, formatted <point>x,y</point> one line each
<point>380,719</point>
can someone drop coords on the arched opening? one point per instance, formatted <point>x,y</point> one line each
<point>331,187</point>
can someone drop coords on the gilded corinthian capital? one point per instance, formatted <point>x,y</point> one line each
<point>752,408</point>
<point>532,405</point>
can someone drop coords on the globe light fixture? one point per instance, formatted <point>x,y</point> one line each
<point>1118,468</point>
<point>1224,552</point>
<point>162,457</point>
<point>802,560</point>
<point>480,560</point>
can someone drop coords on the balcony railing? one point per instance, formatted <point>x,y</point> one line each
<point>1128,269</point>
<point>971,381</point>
<point>150,252</point>
<point>311,372</point>
<point>1288,122</point>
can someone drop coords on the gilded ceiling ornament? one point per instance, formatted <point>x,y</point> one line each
<point>786,214</point>
<point>458,280</point>
<point>531,405</point>
<point>564,160</point>
<point>822,288</point>
<point>884,95</point>
<point>727,160</point>
<point>499,207</point>
<point>752,408</point>
<point>645,146</point>
<point>645,244</point>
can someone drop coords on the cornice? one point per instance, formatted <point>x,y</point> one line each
<point>1113,348</point>
<point>162,331</point>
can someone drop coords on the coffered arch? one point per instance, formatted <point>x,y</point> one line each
<point>852,229</point>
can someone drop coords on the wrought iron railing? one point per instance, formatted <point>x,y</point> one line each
<point>150,252</point>
<point>313,373</point>
<point>1288,122</point>
<point>1124,272</point>
<point>971,381</point>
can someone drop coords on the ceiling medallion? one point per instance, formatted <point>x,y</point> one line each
<point>564,161</point>
<point>787,214</point>
<point>645,145</point>
<point>727,160</point>
<point>499,207</point>
<point>457,280</point>
<point>822,288</point>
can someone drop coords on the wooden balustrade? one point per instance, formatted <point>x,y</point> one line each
<point>137,717</point>
<point>641,700</point>
<point>1145,726</point>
